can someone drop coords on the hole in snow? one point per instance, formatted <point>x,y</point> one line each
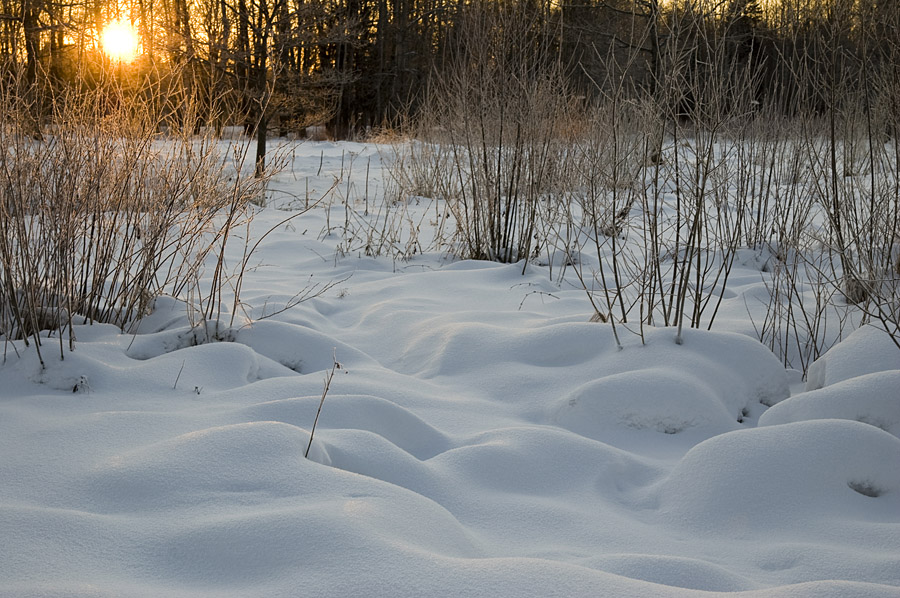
<point>866,488</point>
<point>669,428</point>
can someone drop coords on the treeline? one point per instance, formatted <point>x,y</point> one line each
<point>360,64</point>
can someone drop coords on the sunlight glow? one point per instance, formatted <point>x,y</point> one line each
<point>120,41</point>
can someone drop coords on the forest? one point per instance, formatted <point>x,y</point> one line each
<point>363,65</point>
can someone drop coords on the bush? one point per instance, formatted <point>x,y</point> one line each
<point>101,215</point>
<point>492,125</point>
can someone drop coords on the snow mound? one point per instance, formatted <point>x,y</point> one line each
<point>259,458</point>
<point>443,347</point>
<point>788,477</point>
<point>871,398</point>
<point>701,388</point>
<point>865,351</point>
<point>394,423</point>
<point>632,399</point>
<point>544,462</point>
<point>671,571</point>
<point>324,535</point>
<point>144,364</point>
<point>299,348</point>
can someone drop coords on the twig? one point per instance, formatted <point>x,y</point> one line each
<point>328,378</point>
<point>542,293</point>
<point>178,377</point>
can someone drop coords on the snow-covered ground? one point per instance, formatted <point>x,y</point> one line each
<point>480,437</point>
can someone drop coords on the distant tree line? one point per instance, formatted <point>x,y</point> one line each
<point>360,64</point>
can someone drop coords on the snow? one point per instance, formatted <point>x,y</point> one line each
<point>866,351</point>
<point>481,437</point>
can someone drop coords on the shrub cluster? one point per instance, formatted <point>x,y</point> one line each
<point>667,184</point>
<point>101,215</point>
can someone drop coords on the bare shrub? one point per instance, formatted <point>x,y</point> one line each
<point>665,179</point>
<point>499,109</point>
<point>101,216</point>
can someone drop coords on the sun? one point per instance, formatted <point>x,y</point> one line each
<point>120,41</point>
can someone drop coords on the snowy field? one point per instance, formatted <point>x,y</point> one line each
<point>480,436</point>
